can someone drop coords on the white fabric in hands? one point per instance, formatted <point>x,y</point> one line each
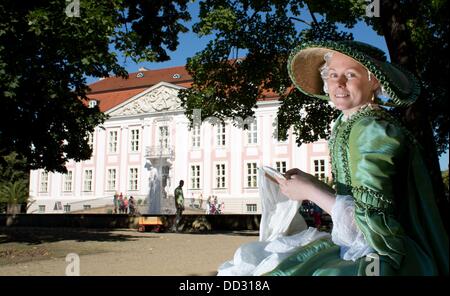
<point>279,213</point>
<point>282,231</point>
<point>345,232</point>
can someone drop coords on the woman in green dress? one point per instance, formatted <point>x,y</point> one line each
<point>385,220</point>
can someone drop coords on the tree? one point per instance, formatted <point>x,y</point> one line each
<point>229,88</point>
<point>416,33</point>
<point>13,169</point>
<point>46,53</point>
<point>14,194</point>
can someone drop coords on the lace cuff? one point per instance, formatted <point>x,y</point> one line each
<point>345,232</point>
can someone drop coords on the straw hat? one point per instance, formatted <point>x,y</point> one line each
<point>401,87</point>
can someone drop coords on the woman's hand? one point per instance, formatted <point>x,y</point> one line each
<point>298,186</point>
<point>302,186</point>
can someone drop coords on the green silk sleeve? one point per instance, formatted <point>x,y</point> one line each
<point>375,149</point>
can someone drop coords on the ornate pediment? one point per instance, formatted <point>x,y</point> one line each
<point>162,97</point>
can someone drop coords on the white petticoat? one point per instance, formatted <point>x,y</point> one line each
<point>283,230</point>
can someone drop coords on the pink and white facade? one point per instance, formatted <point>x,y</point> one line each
<point>148,126</point>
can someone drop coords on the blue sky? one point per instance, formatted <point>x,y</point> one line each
<point>190,44</point>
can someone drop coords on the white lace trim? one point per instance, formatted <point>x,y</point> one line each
<point>345,232</point>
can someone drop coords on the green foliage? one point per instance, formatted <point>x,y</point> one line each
<point>13,167</point>
<point>427,38</point>
<point>445,178</point>
<point>14,192</point>
<point>45,57</point>
<point>265,31</point>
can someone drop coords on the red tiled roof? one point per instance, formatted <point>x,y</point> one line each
<point>112,91</point>
<point>109,100</point>
<point>151,77</point>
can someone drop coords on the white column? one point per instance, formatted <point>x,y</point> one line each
<point>266,139</point>
<point>123,182</point>
<point>180,140</point>
<point>100,171</point>
<point>236,149</point>
<point>208,175</point>
<point>146,142</point>
<point>78,181</point>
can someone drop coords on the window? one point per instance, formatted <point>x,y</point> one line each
<point>277,133</point>
<point>57,206</point>
<point>68,181</point>
<point>195,136</point>
<point>221,136</point>
<point>133,185</point>
<point>41,209</point>
<point>111,180</point>
<point>112,142</point>
<point>134,140</point>
<point>195,176</point>
<point>319,169</point>
<point>281,166</point>
<point>86,207</point>
<point>220,175</point>
<point>90,141</point>
<point>44,182</point>
<point>164,136</point>
<point>251,208</point>
<point>66,208</point>
<point>252,133</point>
<point>87,185</point>
<point>251,175</point>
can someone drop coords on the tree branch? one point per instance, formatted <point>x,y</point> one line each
<point>300,20</point>
<point>312,15</point>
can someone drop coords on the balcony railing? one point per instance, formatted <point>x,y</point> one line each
<point>160,151</point>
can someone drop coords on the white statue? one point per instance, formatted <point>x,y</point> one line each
<point>154,194</point>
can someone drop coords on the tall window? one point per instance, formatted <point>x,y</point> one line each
<point>252,175</point>
<point>220,175</point>
<point>252,133</point>
<point>195,136</point>
<point>87,184</point>
<point>111,181</point>
<point>112,142</point>
<point>221,135</point>
<point>276,132</point>
<point>251,208</point>
<point>44,182</point>
<point>90,140</point>
<point>68,179</point>
<point>133,177</point>
<point>134,140</point>
<point>281,166</point>
<point>195,176</point>
<point>319,169</point>
<point>164,136</point>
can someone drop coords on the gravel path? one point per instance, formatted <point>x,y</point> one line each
<point>42,251</point>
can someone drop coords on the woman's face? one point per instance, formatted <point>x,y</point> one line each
<point>348,82</point>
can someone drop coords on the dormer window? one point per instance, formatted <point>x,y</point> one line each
<point>139,75</point>
<point>176,76</point>
<point>92,103</point>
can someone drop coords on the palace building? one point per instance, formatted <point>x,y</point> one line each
<point>147,136</point>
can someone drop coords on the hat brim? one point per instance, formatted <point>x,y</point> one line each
<point>306,60</point>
